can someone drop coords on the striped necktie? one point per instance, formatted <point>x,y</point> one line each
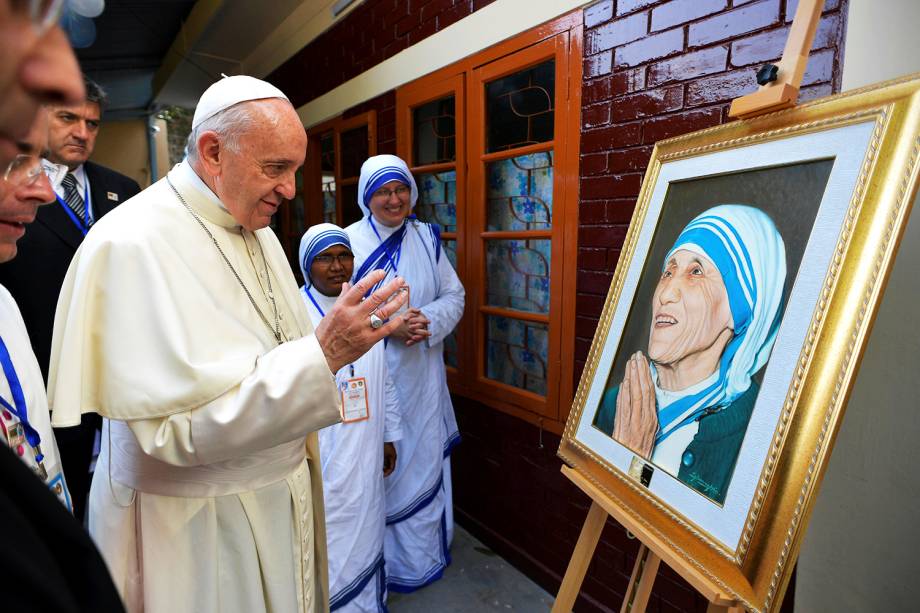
<point>73,198</point>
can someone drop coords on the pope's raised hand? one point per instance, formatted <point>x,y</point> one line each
<point>345,333</point>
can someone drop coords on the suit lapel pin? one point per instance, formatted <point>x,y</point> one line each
<point>112,196</point>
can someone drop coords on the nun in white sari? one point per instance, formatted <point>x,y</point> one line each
<point>418,494</point>
<point>351,452</point>
<point>715,314</point>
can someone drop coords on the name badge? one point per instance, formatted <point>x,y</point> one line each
<point>59,489</point>
<point>354,400</point>
<point>405,307</point>
<point>16,435</point>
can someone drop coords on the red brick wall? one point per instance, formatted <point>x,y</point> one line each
<point>656,69</point>
<point>385,105</point>
<point>509,493</point>
<point>653,69</point>
<point>373,32</point>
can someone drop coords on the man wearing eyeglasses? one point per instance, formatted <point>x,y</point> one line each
<point>48,562</point>
<point>83,193</point>
<point>24,419</point>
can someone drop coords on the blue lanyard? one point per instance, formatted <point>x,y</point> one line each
<point>87,207</point>
<point>313,300</point>
<point>398,251</point>
<point>322,314</point>
<point>20,409</point>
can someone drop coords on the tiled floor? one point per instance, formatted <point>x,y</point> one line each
<point>477,580</point>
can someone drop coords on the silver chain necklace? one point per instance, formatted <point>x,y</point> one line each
<point>276,331</point>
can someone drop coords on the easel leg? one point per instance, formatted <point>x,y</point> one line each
<point>581,558</point>
<point>647,562</point>
<point>640,583</point>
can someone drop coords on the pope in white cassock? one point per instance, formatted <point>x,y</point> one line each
<point>181,324</point>
<point>358,453</point>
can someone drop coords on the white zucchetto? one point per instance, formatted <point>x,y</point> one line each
<point>232,90</point>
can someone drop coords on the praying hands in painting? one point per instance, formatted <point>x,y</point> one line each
<point>636,422</point>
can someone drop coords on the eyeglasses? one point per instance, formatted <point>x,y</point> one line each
<point>23,170</point>
<point>342,258</point>
<point>54,172</point>
<point>384,194</point>
<point>43,13</point>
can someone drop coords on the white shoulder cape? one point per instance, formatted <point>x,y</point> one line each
<point>148,297</point>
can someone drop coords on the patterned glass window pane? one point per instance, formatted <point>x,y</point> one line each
<point>449,247</point>
<point>327,152</point>
<point>435,132</point>
<point>329,198</point>
<point>297,208</point>
<point>517,274</point>
<point>437,199</point>
<point>354,151</point>
<point>451,350</point>
<point>327,175</point>
<point>519,193</point>
<point>519,108</point>
<point>516,353</point>
<point>351,212</point>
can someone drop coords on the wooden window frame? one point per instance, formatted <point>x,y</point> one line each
<point>561,39</point>
<point>313,197</point>
<point>408,99</point>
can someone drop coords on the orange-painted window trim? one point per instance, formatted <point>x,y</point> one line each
<point>560,39</point>
<point>311,191</point>
<point>337,125</point>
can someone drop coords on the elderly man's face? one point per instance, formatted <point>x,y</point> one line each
<point>690,310</point>
<point>23,193</point>
<point>254,181</point>
<point>331,268</point>
<point>35,67</point>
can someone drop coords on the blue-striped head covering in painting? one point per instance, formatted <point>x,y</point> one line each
<point>378,171</point>
<point>316,240</point>
<point>744,244</point>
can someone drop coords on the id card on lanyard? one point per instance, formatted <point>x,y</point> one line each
<point>405,307</point>
<point>23,432</point>
<point>355,407</point>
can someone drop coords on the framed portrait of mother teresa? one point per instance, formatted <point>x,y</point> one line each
<point>734,325</point>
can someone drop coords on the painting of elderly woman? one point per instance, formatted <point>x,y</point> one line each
<point>706,315</point>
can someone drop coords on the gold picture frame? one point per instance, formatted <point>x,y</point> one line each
<point>746,543</point>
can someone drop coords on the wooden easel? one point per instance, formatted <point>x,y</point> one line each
<point>779,93</point>
<point>651,552</point>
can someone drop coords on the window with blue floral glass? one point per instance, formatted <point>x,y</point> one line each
<point>492,147</point>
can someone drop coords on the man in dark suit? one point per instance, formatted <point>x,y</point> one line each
<point>86,192</point>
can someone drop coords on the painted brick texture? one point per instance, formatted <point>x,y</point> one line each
<point>374,32</point>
